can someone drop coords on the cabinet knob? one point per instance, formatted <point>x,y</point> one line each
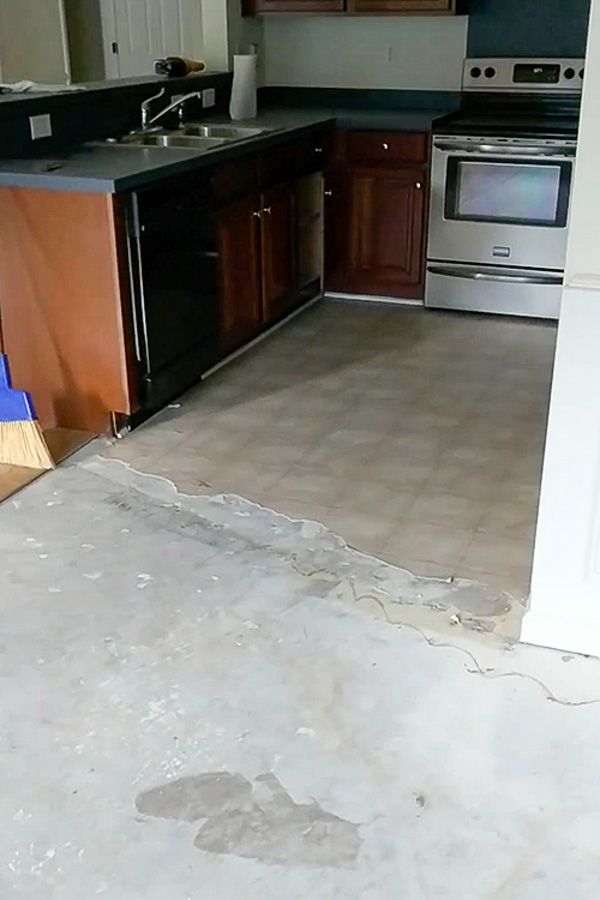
<point>418,185</point>
<point>329,193</point>
<point>257,214</point>
<point>268,210</point>
<point>385,146</point>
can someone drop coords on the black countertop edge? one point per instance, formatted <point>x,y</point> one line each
<point>97,168</point>
<point>92,89</point>
<point>68,173</point>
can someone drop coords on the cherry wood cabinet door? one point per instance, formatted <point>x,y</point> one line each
<point>386,224</point>
<point>402,6</point>
<point>240,271</point>
<point>336,230</point>
<point>278,250</point>
<point>256,7</point>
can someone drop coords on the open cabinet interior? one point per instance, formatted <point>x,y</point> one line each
<point>309,225</point>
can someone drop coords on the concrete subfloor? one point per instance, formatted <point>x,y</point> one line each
<point>415,435</point>
<point>188,711</point>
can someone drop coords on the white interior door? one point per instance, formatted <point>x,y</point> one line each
<point>33,41</point>
<point>136,32</point>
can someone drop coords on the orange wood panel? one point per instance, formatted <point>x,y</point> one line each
<point>60,300</point>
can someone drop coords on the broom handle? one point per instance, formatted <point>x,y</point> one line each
<point>1,333</point>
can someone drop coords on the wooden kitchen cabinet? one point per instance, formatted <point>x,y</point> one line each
<point>277,250</point>
<point>367,7</point>
<point>408,7</point>
<point>336,230</point>
<point>386,216</point>
<point>256,263</point>
<point>240,271</point>
<point>375,214</point>
<point>257,7</point>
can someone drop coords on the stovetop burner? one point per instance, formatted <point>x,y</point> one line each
<point>508,124</point>
<point>522,98</point>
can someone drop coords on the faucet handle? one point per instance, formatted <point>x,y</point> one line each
<point>160,94</point>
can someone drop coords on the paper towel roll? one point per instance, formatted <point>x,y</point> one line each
<point>243,92</point>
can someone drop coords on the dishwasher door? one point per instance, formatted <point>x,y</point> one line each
<point>174,262</point>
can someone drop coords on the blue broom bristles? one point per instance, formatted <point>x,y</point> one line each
<point>15,406</point>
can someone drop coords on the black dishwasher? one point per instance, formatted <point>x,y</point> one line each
<point>173,264</point>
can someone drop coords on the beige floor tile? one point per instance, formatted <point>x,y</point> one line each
<point>441,508</point>
<point>429,543</point>
<point>361,530</point>
<point>304,483</point>
<point>375,498</point>
<point>415,435</point>
<point>246,478</point>
<point>497,554</point>
<point>515,586</point>
<point>510,518</point>
<point>406,474</point>
<point>417,566</point>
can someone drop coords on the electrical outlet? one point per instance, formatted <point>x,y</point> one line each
<point>40,126</point>
<point>208,98</point>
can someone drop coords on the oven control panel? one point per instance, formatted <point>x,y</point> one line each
<point>564,76</point>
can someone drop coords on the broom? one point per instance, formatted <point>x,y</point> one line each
<point>22,441</point>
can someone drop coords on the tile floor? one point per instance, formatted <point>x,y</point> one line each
<point>416,435</point>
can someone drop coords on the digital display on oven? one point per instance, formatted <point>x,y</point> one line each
<point>529,73</point>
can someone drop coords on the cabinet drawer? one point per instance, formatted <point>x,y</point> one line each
<point>383,147</point>
<point>236,180</point>
<point>308,154</point>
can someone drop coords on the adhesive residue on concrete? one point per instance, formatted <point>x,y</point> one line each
<point>259,821</point>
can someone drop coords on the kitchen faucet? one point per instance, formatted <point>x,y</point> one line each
<point>148,119</point>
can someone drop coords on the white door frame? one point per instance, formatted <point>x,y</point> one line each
<point>564,608</point>
<point>65,40</point>
<point>109,36</point>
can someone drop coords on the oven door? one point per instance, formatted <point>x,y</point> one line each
<point>500,205</point>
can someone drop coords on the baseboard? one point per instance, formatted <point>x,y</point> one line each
<point>571,634</point>
<point>370,298</point>
<point>261,337</point>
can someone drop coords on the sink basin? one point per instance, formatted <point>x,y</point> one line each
<point>169,139</point>
<point>190,136</point>
<point>227,132</point>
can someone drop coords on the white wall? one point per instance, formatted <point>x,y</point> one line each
<point>386,52</point>
<point>33,41</point>
<point>565,593</point>
<point>84,28</point>
<point>226,32</point>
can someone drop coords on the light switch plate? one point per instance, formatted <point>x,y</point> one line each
<point>208,98</point>
<point>40,126</point>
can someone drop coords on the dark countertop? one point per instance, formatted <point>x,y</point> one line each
<point>98,168</point>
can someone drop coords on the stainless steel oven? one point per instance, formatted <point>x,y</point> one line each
<point>497,199</point>
<point>499,207</point>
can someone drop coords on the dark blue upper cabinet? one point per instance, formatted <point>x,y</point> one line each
<point>528,27</point>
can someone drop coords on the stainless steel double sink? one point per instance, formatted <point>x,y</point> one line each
<point>189,136</point>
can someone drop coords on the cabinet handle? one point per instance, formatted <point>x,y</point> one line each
<point>385,146</point>
<point>329,193</point>
<point>418,185</point>
<point>268,210</point>
<point>258,214</point>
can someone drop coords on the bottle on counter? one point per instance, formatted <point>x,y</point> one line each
<point>177,66</point>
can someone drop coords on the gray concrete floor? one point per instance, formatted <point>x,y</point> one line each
<point>415,435</point>
<point>188,711</point>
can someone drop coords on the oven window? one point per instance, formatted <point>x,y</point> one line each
<point>515,192</point>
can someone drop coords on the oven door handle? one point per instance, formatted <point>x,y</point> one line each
<point>450,272</point>
<point>488,150</point>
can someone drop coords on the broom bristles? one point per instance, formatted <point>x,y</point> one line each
<point>24,444</point>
